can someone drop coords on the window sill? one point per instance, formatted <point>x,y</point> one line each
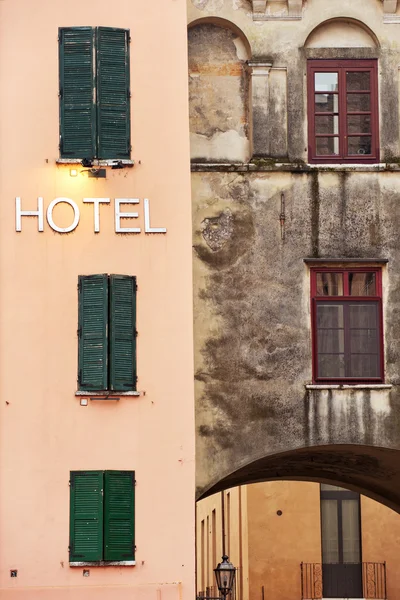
<point>349,386</point>
<point>107,393</point>
<point>97,163</point>
<point>268,165</point>
<point>104,563</point>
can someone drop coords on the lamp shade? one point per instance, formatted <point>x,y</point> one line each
<point>225,576</point>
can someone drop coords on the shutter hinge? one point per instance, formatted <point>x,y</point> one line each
<point>79,332</point>
<point>136,333</point>
<point>80,377</point>
<point>79,286</point>
<point>129,39</point>
<point>61,93</point>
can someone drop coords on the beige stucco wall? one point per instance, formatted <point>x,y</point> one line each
<point>44,432</point>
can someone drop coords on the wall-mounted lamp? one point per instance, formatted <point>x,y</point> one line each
<point>93,172</point>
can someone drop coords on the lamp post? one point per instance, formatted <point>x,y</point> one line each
<point>225,576</point>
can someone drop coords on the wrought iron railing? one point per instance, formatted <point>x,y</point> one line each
<point>374,581</point>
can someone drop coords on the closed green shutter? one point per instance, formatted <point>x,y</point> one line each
<point>122,333</point>
<point>77,81</point>
<point>93,332</point>
<point>119,513</point>
<point>113,93</point>
<point>86,516</point>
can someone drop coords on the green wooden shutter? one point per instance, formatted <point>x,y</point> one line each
<point>93,332</point>
<point>86,516</point>
<point>119,515</point>
<point>77,81</point>
<point>122,333</point>
<point>113,93</point>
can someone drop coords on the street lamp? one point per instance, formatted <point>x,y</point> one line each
<point>225,576</point>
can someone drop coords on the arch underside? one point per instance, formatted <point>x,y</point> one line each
<point>372,471</point>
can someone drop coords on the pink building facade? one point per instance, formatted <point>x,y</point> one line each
<point>96,385</point>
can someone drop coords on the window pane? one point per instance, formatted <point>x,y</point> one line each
<point>326,103</point>
<point>362,284</point>
<point>328,124</point>
<point>358,102</point>
<point>363,341</point>
<point>330,316</point>
<point>326,487</point>
<point>351,531</point>
<point>364,366</point>
<point>329,284</point>
<point>363,316</point>
<point>359,145</point>
<point>330,341</point>
<point>327,82</point>
<point>326,146</point>
<point>329,530</point>
<point>358,123</point>
<point>331,366</point>
<point>360,81</point>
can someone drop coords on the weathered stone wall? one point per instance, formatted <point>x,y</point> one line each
<point>254,224</point>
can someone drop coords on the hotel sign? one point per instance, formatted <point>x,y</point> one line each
<point>96,202</point>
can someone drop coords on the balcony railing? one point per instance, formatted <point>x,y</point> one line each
<point>374,581</point>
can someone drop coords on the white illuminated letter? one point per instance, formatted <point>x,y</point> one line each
<point>147,226</point>
<point>96,202</point>
<point>50,215</point>
<point>28,213</point>
<point>119,215</point>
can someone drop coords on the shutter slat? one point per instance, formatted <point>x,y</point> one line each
<point>77,109</point>
<point>86,516</point>
<point>113,95</point>
<point>122,333</point>
<point>93,330</point>
<point>119,511</point>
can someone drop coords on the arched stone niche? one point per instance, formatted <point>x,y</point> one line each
<point>342,33</point>
<point>218,92</point>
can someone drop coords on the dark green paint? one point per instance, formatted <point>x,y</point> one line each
<point>119,511</point>
<point>122,332</point>
<point>86,516</point>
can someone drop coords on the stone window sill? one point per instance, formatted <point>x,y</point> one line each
<point>104,563</point>
<point>349,386</point>
<point>97,163</point>
<point>273,166</point>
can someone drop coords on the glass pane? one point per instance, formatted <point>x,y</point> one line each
<point>328,124</point>
<point>360,81</point>
<point>351,531</point>
<point>363,341</point>
<point>329,530</point>
<point>327,82</point>
<point>325,146</point>
<point>359,145</point>
<point>326,103</point>
<point>358,102</point>
<point>362,284</point>
<point>363,316</point>
<point>330,341</point>
<point>358,123</point>
<point>330,316</point>
<point>331,366</point>
<point>364,366</point>
<point>326,487</point>
<point>329,284</point>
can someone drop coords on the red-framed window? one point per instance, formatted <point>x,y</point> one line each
<point>347,325</point>
<point>343,121</point>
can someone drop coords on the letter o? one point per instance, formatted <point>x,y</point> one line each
<point>74,207</point>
